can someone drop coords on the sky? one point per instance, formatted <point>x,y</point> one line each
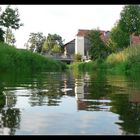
<point>64,20</point>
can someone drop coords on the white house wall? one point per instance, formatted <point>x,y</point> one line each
<point>79,45</point>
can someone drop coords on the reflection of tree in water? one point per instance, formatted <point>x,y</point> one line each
<point>99,88</point>
<point>9,116</point>
<point>10,119</point>
<point>2,97</point>
<point>2,100</point>
<point>129,113</point>
<point>47,91</point>
<point>45,98</point>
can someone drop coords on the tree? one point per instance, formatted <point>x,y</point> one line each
<point>10,19</point>
<point>130,20</point>
<point>56,48</point>
<point>119,38</point>
<point>53,44</point>
<point>10,37</point>
<point>59,41</point>
<point>35,42</point>
<point>98,49</point>
<point>48,44</point>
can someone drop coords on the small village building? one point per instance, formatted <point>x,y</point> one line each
<point>81,45</point>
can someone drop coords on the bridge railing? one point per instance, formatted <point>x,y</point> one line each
<point>58,56</point>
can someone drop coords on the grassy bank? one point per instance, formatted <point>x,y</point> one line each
<point>126,61</point>
<point>12,59</point>
<point>88,66</point>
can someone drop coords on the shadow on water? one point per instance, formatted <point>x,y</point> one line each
<point>93,92</point>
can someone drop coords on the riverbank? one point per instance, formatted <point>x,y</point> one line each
<point>12,59</point>
<point>123,62</point>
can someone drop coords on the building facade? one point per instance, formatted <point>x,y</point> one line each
<point>81,45</point>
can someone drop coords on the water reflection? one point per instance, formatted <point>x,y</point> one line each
<point>9,116</point>
<point>91,92</point>
<point>57,96</point>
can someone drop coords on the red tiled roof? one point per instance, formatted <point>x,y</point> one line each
<point>135,39</point>
<point>82,32</point>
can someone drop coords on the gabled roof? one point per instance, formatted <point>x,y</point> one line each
<point>72,41</point>
<point>84,32</point>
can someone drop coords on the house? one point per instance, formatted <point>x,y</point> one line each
<point>81,44</point>
<point>69,48</point>
<point>135,39</point>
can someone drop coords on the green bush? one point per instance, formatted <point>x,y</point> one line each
<point>12,59</point>
<point>77,57</point>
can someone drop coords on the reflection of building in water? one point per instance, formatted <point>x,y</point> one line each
<point>81,92</point>
<point>82,105</point>
<point>84,99</point>
<point>134,97</point>
<point>67,87</point>
<point>82,87</point>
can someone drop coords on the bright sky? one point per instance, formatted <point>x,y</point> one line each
<point>64,20</point>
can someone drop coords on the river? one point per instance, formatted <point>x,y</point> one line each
<point>68,103</point>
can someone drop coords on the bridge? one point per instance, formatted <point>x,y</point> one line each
<point>65,59</point>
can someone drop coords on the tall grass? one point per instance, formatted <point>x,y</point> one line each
<point>126,61</point>
<point>88,66</point>
<point>12,59</point>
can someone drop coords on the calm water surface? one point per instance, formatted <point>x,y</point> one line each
<point>54,103</point>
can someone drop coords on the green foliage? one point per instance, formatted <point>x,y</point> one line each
<point>53,44</point>
<point>77,57</point>
<point>56,48</point>
<point>123,62</point>
<point>46,47</point>
<point>134,59</point>
<point>2,100</point>
<point>126,61</point>
<point>119,38</point>
<point>13,59</point>
<point>59,41</point>
<point>90,66</point>
<point>10,38</point>
<point>10,18</point>
<point>130,19</point>
<point>128,24</point>
<point>98,49</point>
<point>35,42</point>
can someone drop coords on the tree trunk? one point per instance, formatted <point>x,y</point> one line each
<point>6,37</point>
